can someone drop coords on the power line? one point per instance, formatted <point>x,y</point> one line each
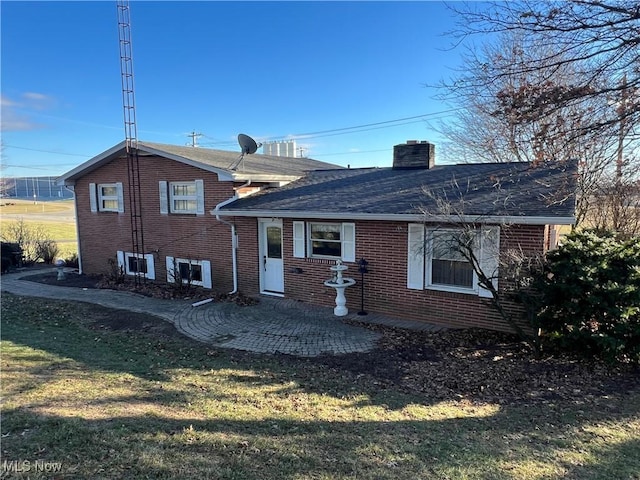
<point>309,135</point>
<point>350,153</point>
<point>353,129</point>
<point>47,151</point>
<point>320,132</point>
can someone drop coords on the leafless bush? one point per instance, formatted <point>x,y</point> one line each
<point>616,206</point>
<point>116,272</point>
<point>47,251</point>
<point>31,239</point>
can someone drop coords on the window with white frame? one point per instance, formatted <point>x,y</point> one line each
<point>439,259</point>
<point>448,265</point>
<point>137,264</point>
<point>182,197</point>
<point>193,272</point>
<point>324,240</point>
<point>106,197</point>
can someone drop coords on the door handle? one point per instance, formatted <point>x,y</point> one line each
<point>265,262</point>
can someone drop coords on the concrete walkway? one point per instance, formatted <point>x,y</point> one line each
<point>274,325</point>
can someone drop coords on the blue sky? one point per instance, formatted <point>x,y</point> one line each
<point>269,70</point>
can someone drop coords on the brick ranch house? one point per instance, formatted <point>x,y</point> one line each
<point>275,225</point>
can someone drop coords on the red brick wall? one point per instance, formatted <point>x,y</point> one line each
<point>199,237</point>
<point>384,245</point>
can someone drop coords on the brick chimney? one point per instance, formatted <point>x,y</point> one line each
<point>414,154</point>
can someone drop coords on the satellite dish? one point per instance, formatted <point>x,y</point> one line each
<point>248,146</point>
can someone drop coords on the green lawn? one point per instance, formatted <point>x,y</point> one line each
<point>151,404</point>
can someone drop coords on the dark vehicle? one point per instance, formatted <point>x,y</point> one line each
<point>11,256</point>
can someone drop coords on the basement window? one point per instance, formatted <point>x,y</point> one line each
<point>137,264</point>
<point>192,272</point>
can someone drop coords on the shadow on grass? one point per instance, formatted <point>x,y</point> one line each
<point>513,443</point>
<point>393,379</point>
<point>73,330</point>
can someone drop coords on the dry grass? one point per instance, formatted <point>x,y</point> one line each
<point>44,216</point>
<point>147,403</point>
<point>28,207</point>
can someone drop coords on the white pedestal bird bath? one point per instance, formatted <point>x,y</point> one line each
<point>339,283</point>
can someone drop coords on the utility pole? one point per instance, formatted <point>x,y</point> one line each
<point>194,138</point>
<point>622,112</point>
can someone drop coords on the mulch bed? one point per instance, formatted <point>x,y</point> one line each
<point>482,366</point>
<point>147,288</point>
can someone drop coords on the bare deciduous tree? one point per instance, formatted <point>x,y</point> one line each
<point>596,39</point>
<point>535,91</point>
<point>509,275</point>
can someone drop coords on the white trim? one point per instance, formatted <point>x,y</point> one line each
<point>415,256</point>
<point>98,198</point>
<point>151,267</point>
<point>348,237</point>
<point>123,262</point>
<point>206,273</point>
<point>281,180</point>
<point>310,240</point>
<point>71,176</point>
<point>163,191</point>
<point>429,285</point>
<point>199,197</point>
<point>194,197</point>
<point>420,257</point>
<point>93,197</point>
<point>272,294</point>
<point>404,217</point>
<point>262,223</point>
<point>79,241</point>
<point>168,265</point>
<point>91,164</point>
<point>489,257</point>
<point>298,239</point>
<point>234,241</point>
<point>205,270</point>
<point>120,194</point>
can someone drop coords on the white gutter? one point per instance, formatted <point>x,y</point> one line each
<point>234,236</point>
<point>404,217</point>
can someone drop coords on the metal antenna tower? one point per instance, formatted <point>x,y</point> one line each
<point>131,137</point>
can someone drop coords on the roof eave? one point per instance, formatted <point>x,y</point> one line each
<point>223,175</point>
<point>264,177</point>
<point>69,178</point>
<point>403,217</point>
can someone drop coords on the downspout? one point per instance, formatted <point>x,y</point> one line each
<point>75,202</point>
<point>234,237</point>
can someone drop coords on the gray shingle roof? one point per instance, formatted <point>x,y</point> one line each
<point>254,167</point>
<point>499,189</point>
<point>252,164</point>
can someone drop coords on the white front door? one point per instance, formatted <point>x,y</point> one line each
<point>271,264</point>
